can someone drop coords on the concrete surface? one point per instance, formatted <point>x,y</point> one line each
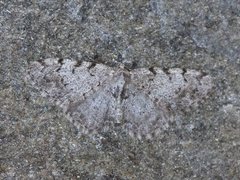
<point>201,140</point>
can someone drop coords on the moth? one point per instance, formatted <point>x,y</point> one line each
<point>141,101</point>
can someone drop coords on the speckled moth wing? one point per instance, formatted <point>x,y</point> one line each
<point>102,107</point>
<point>141,100</point>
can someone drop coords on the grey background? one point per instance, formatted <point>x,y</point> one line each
<point>37,142</point>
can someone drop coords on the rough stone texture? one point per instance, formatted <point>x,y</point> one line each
<point>38,141</point>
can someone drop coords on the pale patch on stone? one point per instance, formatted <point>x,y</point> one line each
<point>93,96</point>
